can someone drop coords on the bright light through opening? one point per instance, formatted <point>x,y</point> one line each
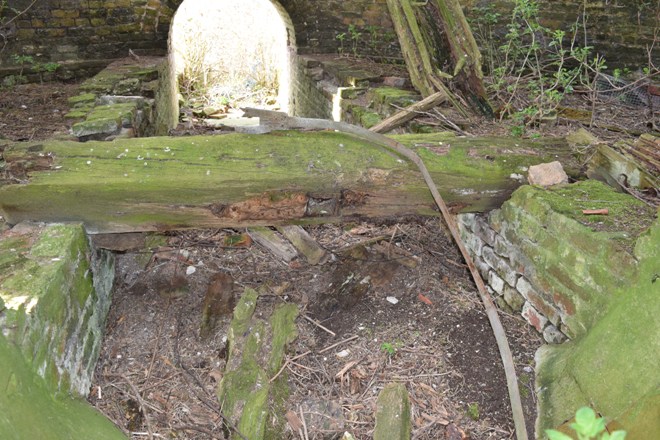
<point>231,53</point>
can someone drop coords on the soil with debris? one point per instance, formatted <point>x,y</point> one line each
<point>30,112</point>
<point>418,321</point>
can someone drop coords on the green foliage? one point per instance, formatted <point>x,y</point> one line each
<point>341,37</point>
<point>535,67</point>
<point>355,38</point>
<point>391,348</point>
<point>473,411</point>
<point>388,348</point>
<point>587,426</point>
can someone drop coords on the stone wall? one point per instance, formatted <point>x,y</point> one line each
<point>74,32</point>
<point>55,297</point>
<point>543,263</point>
<point>312,94</point>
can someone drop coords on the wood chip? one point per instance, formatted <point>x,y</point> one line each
<point>604,211</point>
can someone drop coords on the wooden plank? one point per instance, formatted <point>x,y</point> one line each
<point>272,241</point>
<point>238,180</point>
<point>304,243</point>
<point>409,113</point>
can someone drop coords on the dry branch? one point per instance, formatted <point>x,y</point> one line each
<point>409,112</point>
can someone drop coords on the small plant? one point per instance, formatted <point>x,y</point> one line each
<point>389,348</point>
<point>373,37</point>
<point>355,38</point>
<point>42,68</point>
<point>473,411</point>
<point>22,60</point>
<point>341,37</point>
<point>587,426</point>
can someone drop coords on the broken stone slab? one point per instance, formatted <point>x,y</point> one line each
<point>393,413</point>
<point>257,346</point>
<point>596,369</point>
<point>105,120</point>
<point>30,409</point>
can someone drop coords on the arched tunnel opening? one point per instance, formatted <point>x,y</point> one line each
<point>229,54</point>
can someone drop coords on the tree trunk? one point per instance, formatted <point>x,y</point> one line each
<point>435,32</point>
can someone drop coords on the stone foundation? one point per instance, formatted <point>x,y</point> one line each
<point>556,272</point>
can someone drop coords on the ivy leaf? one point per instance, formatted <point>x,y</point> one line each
<point>587,424</point>
<point>556,435</point>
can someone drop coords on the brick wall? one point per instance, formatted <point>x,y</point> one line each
<point>62,30</point>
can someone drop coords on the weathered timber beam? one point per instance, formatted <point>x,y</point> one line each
<point>239,180</point>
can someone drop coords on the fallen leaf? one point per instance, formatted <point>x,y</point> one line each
<point>424,299</point>
<point>238,240</point>
<point>294,421</point>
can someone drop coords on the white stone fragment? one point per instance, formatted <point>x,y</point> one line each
<point>392,300</point>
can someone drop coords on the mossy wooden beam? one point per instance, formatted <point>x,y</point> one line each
<point>238,180</point>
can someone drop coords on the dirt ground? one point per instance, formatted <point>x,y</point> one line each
<point>436,339</point>
<point>156,377</point>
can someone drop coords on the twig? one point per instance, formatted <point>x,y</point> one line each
<point>143,407</point>
<point>304,423</point>
<point>318,324</point>
<point>286,363</point>
<point>338,343</point>
<point>196,428</point>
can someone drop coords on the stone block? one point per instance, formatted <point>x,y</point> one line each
<point>482,267</point>
<point>544,306</point>
<point>495,282</point>
<point>60,305</point>
<point>513,298</point>
<point>473,243</point>
<point>552,335</point>
<point>500,265</point>
<point>96,128</point>
<point>547,174</point>
<point>533,317</point>
<point>467,221</point>
<point>393,413</point>
<point>483,230</point>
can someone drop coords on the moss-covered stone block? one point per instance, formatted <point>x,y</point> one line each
<point>256,353</point>
<point>104,120</point>
<point>576,260</point>
<point>614,366</point>
<point>393,413</point>
<point>51,306</point>
<point>385,98</point>
<point>28,409</point>
<point>83,98</point>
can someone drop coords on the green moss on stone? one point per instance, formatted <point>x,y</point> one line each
<point>386,96</point>
<point>393,413</point>
<point>30,411</point>
<point>283,325</point>
<point>612,368</point>
<point>84,98</point>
